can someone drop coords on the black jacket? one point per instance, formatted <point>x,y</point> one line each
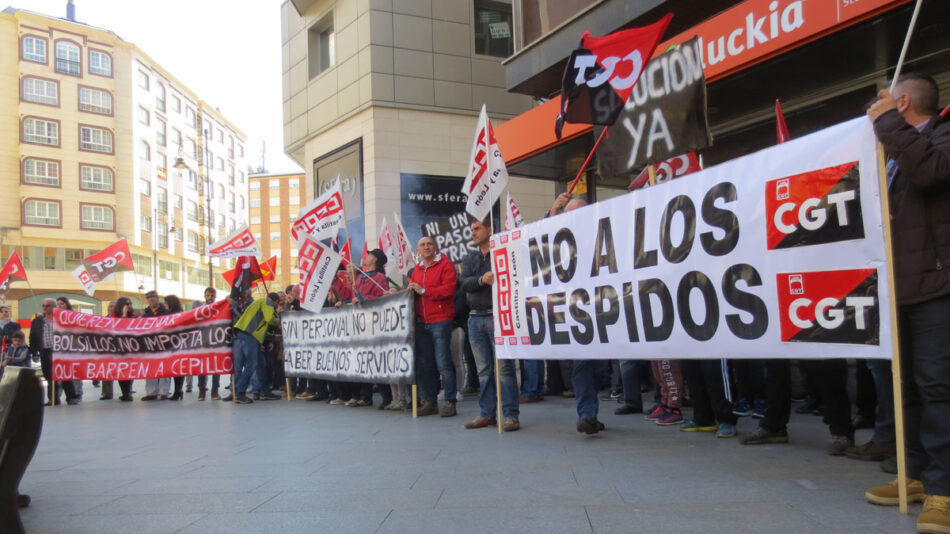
<point>8,330</point>
<point>920,205</point>
<point>36,334</point>
<point>147,312</point>
<point>478,296</point>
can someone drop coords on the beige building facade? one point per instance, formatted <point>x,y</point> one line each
<point>275,200</point>
<point>385,94</point>
<point>90,130</point>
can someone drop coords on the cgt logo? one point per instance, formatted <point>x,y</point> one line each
<point>620,72</point>
<point>822,206</point>
<point>504,311</point>
<point>829,307</point>
<point>107,264</point>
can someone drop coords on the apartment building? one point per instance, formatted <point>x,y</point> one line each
<point>275,200</point>
<point>90,130</point>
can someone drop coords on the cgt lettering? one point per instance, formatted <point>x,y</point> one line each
<point>788,216</point>
<point>828,315</point>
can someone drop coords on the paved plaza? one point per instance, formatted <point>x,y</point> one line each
<point>208,467</point>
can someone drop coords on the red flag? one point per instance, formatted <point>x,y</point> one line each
<point>246,272</point>
<point>347,252</point>
<point>113,259</point>
<point>945,111</point>
<point>365,252</point>
<point>13,268</point>
<point>667,170</point>
<point>601,72</point>
<point>268,268</point>
<point>781,129</point>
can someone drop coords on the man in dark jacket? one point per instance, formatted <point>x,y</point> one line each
<point>477,281</point>
<point>41,344</point>
<point>918,175</point>
<point>155,386</point>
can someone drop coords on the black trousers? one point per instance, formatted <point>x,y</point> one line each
<point>778,377</point>
<point>865,392</point>
<point>46,363</point>
<point>831,376</point>
<point>704,379</point>
<point>560,375</point>
<point>925,366</point>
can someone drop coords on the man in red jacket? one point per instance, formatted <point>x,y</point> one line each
<point>434,282</point>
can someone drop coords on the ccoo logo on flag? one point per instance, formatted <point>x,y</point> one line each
<point>829,306</point>
<point>813,208</point>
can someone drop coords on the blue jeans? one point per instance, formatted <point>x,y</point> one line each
<point>884,431</point>
<point>246,356</point>
<point>481,336</point>
<point>925,364</point>
<point>630,378</point>
<point>533,380</point>
<point>433,358</point>
<point>585,386</point>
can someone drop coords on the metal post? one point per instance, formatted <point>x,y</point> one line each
<point>203,189</point>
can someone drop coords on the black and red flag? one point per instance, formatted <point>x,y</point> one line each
<point>113,259</point>
<point>601,73</point>
<point>247,271</point>
<point>13,268</point>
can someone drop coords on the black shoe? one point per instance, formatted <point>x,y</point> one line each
<point>126,398</point>
<point>149,398</point>
<point>105,397</point>
<point>318,398</point>
<point>176,396</point>
<point>72,402</point>
<point>872,452</point>
<point>22,501</point>
<point>626,409</point>
<point>761,436</point>
<point>242,399</point>
<point>808,407</point>
<point>267,397</point>
<point>589,425</point>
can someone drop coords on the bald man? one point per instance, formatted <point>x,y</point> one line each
<point>918,176</point>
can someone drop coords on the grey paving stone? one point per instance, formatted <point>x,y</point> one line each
<point>216,503</point>
<point>559,520</point>
<point>368,499</point>
<point>99,524</point>
<point>366,521</point>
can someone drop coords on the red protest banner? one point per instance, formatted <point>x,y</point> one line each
<point>92,347</point>
<point>113,259</point>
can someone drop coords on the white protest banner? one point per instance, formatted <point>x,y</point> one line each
<point>85,280</point>
<point>240,242</point>
<point>368,342</point>
<point>322,218</point>
<point>513,217</point>
<point>487,174</point>
<point>778,254</point>
<point>405,260</point>
<point>317,265</point>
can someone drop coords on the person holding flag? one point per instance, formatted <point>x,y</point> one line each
<point>369,284</point>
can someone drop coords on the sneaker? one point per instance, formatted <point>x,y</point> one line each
<point>428,408</point>
<point>567,394</point>
<point>480,422</point>
<point>529,400</point>
<point>229,398</point>
<point>242,399</point>
<point>317,398</point>
<point>363,403</point>
<point>510,425</point>
<point>448,409</point>
<point>589,425</point>
<point>655,412</point>
<point>352,403</point>
<point>305,395</point>
<point>761,436</point>
<point>871,451</point>
<point>693,426</point>
<point>337,402</point>
<point>742,409</point>
<point>839,444</point>
<point>726,430</point>
<point>935,518</point>
<point>886,495</point>
<point>626,409</point>
<point>471,390</point>
<point>611,395</point>
<point>671,416</point>
<point>396,406</point>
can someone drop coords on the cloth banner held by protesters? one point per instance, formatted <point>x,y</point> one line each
<point>91,347</point>
<point>513,217</point>
<point>487,175</point>
<point>113,259</point>
<point>368,342</point>
<point>601,72</point>
<point>777,254</point>
<point>240,242</point>
<point>317,264</point>
<point>86,281</point>
<point>12,269</point>
<point>323,218</point>
<point>452,235</point>
<point>665,115</point>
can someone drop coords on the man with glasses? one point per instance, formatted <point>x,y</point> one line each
<point>41,344</point>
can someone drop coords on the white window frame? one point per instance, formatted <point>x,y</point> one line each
<point>37,172</point>
<point>33,55</point>
<point>50,213</point>
<point>40,91</point>
<point>95,100</point>
<point>32,133</point>
<point>96,217</point>
<point>100,63</point>
<point>69,49</point>
<point>88,139</point>
<point>93,178</point>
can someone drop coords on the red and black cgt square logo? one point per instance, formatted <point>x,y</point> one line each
<point>822,206</point>
<point>830,307</point>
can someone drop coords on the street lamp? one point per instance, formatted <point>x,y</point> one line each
<point>204,197</point>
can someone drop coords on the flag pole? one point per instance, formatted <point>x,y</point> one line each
<point>491,227</point>
<point>580,173</point>
<point>900,59</point>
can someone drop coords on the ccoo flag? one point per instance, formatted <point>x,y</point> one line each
<point>487,174</point>
<point>513,217</point>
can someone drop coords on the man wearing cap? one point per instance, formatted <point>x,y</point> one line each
<point>249,332</point>
<point>155,386</point>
